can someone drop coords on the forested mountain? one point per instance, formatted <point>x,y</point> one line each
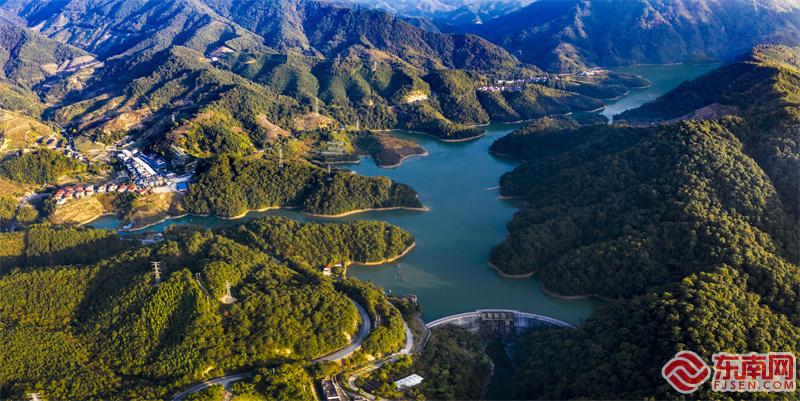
<point>111,28</point>
<point>691,212</point>
<point>27,57</point>
<point>452,11</point>
<point>334,30</point>
<point>570,34</point>
<point>764,88</point>
<point>619,353</point>
<point>119,26</point>
<point>107,329</point>
<point>167,61</point>
<point>146,92</point>
<point>314,244</point>
<point>234,77</point>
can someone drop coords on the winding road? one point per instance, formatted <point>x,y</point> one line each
<point>22,203</point>
<point>376,364</point>
<point>224,380</point>
<point>363,331</point>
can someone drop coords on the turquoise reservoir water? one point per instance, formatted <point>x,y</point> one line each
<point>663,78</point>
<point>448,270</point>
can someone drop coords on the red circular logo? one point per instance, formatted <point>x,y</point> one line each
<point>686,372</point>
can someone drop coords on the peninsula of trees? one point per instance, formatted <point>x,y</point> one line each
<point>229,187</point>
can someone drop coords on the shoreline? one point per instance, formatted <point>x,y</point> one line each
<point>544,289</point>
<point>385,261</point>
<point>503,155</point>
<point>85,223</point>
<point>508,275</point>
<point>248,211</point>
<point>380,209</point>
<point>180,216</point>
<point>402,159</point>
<point>164,220</point>
<point>244,214</point>
<point>482,134</point>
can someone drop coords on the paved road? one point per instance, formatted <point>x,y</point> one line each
<point>363,331</point>
<point>225,381</point>
<point>376,364</point>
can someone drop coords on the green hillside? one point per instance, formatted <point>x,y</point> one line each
<point>764,88</point>
<point>229,187</point>
<point>147,25</point>
<point>690,225</point>
<point>169,80</point>
<point>314,244</point>
<point>106,329</point>
<point>28,58</point>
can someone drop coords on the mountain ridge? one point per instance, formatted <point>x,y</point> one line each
<point>567,35</point>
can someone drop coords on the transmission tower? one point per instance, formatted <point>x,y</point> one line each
<point>228,297</point>
<point>280,158</point>
<point>156,271</point>
<point>34,396</point>
<point>358,125</point>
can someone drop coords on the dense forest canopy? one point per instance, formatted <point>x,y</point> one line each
<point>102,326</point>
<point>316,244</point>
<point>231,186</point>
<point>692,225</point>
<point>453,364</point>
<point>40,167</point>
<point>686,217</point>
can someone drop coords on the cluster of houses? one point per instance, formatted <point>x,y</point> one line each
<point>65,194</point>
<point>146,173</point>
<point>145,170</point>
<point>513,85</point>
<point>517,85</point>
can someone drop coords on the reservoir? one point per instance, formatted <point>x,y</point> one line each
<point>448,269</point>
<point>663,78</point>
